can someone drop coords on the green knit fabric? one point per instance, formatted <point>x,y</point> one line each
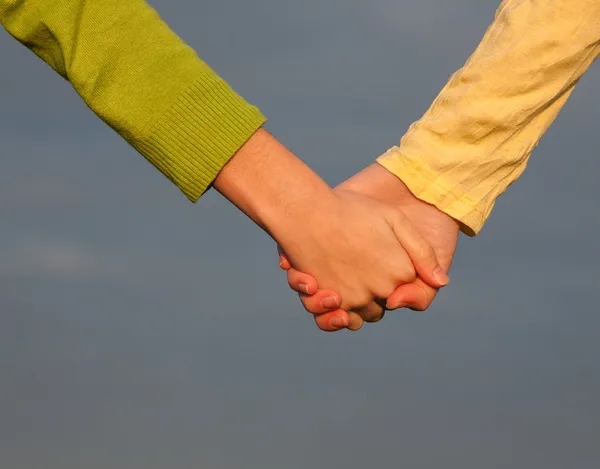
<point>142,80</point>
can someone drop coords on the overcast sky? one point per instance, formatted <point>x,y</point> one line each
<point>139,331</point>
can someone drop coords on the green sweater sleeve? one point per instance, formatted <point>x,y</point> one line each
<point>142,80</point>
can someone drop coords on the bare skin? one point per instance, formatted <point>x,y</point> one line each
<point>361,247</point>
<point>438,229</point>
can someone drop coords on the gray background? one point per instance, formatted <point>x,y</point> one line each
<point>140,331</point>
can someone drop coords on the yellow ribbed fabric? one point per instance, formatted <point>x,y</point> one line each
<point>476,138</point>
<point>142,80</point>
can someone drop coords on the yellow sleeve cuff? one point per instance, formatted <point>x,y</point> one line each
<point>431,187</point>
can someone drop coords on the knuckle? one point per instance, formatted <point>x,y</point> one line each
<point>384,291</point>
<point>360,300</point>
<point>406,274</point>
<point>384,285</point>
<point>425,251</point>
<point>387,288</point>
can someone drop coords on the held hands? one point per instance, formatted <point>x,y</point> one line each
<point>355,245</point>
<point>434,226</point>
<point>361,248</point>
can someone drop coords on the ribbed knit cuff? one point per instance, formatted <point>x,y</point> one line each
<point>431,187</point>
<point>202,130</point>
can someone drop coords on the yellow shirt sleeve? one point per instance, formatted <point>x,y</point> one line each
<point>476,138</point>
<point>142,80</point>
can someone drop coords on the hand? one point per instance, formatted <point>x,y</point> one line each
<point>361,247</point>
<point>440,230</point>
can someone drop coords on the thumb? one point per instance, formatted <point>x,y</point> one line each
<point>417,296</point>
<point>420,252</point>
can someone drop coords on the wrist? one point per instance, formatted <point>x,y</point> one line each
<point>377,182</point>
<point>271,185</point>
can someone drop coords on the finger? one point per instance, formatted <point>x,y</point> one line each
<point>373,312</point>
<point>356,322</point>
<point>420,252</point>
<point>332,321</point>
<point>301,282</point>
<point>315,301</point>
<point>284,260</point>
<point>417,296</point>
<point>322,301</point>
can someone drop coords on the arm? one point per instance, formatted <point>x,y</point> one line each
<point>476,138</point>
<point>142,80</point>
<point>437,228</point>
<point>155,92</point>
<point>360,247</point>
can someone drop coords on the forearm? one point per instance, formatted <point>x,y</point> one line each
<point>271,185</point>
<point>142,80</point>
<point>476,138</point>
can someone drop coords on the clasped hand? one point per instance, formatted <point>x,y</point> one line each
<point>379,248</point>
<point>351,251</point>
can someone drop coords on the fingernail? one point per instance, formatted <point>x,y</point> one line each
<point>303,287</point>
<point>280,264</point>
<point>338,322</point>
<point>330,302</point>
<point>440,276</point>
